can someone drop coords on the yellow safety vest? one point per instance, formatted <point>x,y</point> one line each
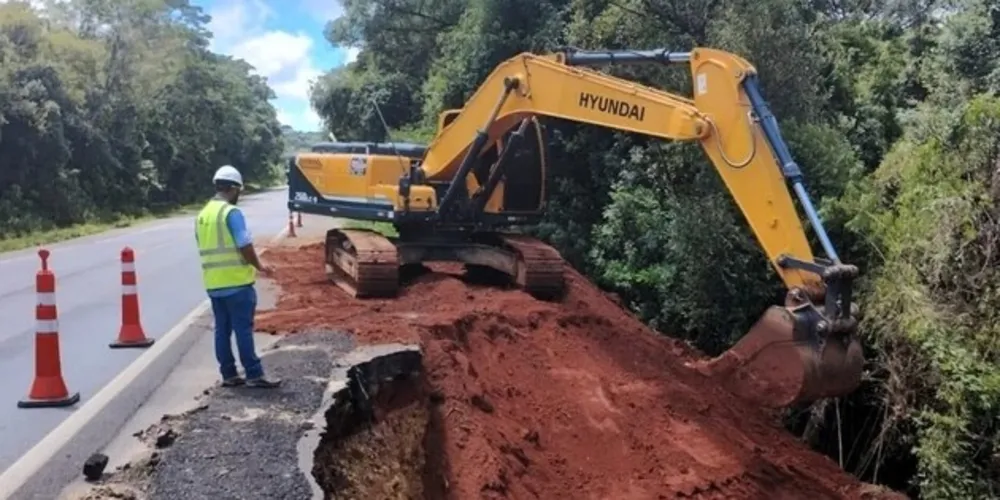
<point>222,265</point>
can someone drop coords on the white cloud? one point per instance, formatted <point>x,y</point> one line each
<point>352,55</point>
<point>310,116</point>
<point>284,118</point>
<point>303,119</point>
<point>323,9</point>
<point>283,57</point>
<point>231,19</point>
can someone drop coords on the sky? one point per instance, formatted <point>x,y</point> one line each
<point>283,40</point>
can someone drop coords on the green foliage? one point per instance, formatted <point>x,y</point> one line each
<point>347,99</point>
<point>488,32</point>
<point>296,141</point>
<point>930,212</point>
<point>890,109</point>
<point>385,228</point>
<point>111,109</point>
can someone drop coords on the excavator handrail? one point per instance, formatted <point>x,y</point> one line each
<point>727,115</point>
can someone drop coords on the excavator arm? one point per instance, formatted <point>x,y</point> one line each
<point>729,118</point>
<point>447,207</point>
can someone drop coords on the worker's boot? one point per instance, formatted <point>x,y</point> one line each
<point>263,382</point>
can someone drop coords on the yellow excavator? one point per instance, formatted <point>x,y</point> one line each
<point>462,197</point>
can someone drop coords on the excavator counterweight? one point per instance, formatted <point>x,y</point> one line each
<point>463,197</point>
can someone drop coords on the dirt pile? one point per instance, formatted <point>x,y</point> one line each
<point>575,399</point>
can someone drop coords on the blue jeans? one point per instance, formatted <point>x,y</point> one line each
<point>234,313</point>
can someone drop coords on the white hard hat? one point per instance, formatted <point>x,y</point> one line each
<point>228,173</point>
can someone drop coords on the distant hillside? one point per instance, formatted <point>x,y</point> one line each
<point>296,141</point>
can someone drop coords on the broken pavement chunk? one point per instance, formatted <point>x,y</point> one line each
<point>93,468</point>
<point>165,438</point>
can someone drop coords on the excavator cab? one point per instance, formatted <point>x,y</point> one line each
<point>521,192</point>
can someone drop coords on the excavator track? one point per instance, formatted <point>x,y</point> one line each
<point>362,262</point>
<point>539,266</point>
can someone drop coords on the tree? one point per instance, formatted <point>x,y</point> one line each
<point>113,108</point>
<point>889,107</point>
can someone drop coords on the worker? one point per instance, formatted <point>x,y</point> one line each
<point>229,266</point>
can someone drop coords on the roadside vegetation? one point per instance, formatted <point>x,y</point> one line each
<point>297,141</point>
<point>890,108</point>
<point>115,111</point>
<point>384,228</point>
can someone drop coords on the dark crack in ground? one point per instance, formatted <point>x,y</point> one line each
<point>241,443</point>
<point>374,447</point>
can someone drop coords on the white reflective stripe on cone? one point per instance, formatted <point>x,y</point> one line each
<point>46,325</point>
<point>129,290</point>
<point>128,267</point>
<point>46,298</point>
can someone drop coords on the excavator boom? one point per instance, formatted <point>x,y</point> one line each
<point>448,207</point>
<point>723,117</point>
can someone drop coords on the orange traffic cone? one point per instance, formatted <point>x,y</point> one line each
<point>131,333</point>
<point>298,219</point>
<point>291,226</point>
<point>48,389</point>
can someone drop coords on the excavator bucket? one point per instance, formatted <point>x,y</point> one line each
<point>784,360</point>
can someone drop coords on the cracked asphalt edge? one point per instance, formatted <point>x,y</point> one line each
<point>245,442</point>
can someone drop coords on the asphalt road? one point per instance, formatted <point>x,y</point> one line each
<point>88,294</point>
<point>219,429</point>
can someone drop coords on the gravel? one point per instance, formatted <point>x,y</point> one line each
<point>243,443</point>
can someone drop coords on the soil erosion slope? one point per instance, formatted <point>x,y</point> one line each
<point>572,399</point>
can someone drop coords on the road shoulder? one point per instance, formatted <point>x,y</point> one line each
<point>243,442</point>
<point>231,442</point>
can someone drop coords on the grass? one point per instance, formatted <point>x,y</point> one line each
<point>56,235</point>
<point>387,229</point>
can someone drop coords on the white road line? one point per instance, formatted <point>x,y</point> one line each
<point>25,467</point>
<point>112,233</point>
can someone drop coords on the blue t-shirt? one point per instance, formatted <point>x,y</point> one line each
<point>237,225</point>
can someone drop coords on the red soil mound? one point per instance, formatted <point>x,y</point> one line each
<point>575,399</point>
